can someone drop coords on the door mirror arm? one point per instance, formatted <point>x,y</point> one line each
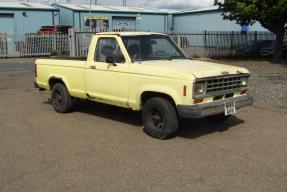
<point>111,60</point>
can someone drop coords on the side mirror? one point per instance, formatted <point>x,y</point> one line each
<point>110,60</point>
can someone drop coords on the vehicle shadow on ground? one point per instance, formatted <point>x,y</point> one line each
<point>110,112</point>
<point>193,128</point>
<point>189,128</point>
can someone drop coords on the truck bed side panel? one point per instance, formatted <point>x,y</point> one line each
<point>70,72</point>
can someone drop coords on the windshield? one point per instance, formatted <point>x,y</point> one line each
<point>152,47</point>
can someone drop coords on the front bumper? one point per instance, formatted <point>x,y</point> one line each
<point>212,108</point>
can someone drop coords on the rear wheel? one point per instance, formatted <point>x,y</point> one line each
<point>159,118</point>
<point>61,99</point>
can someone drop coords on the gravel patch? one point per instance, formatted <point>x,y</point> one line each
<point>268,81</point>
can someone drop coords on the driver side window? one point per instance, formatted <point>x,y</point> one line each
<point>108,48</point>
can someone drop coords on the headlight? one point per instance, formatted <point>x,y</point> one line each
<point>244,81</point>
<point>198,88</point>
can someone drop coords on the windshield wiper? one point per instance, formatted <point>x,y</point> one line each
<point>176,57</point>
<point>161,58</point>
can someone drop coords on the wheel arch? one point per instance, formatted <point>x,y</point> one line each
<point>146,95</point>
<point>54,80</point>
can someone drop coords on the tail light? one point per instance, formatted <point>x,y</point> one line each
<point>36,71</point>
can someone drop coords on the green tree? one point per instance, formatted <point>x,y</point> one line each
<point>272,14</point>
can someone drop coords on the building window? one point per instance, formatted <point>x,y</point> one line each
<point>97,23</point>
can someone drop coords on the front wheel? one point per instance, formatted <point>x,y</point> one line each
<point>159,118</point>
<point>61,99</point>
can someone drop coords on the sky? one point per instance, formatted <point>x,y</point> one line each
<point>172,4</point>
<point>160,4</point>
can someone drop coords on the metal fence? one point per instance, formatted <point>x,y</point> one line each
<point>204,44</point>
<point>32,45</point>
<point>219,44</point>
<point>76,43</point>
<point>3,45</point>
<point>80,41</point>
<point>10,45</point>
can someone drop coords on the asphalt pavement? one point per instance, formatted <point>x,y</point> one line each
<point>103,148</point>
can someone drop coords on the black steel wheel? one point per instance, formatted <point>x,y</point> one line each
<point>156,118</point>
<point>61,99</point>
<point>159,118</point>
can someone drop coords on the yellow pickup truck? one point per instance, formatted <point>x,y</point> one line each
<point>146,72</point>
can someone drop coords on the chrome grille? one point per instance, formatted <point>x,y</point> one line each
<point>223,84</point>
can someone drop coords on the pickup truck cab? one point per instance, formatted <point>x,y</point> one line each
<point>146,72</point>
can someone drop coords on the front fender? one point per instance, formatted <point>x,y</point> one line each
<point>173,93</point>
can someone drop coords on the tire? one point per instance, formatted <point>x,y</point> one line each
<point>159,118</point>
<point>220,118</point>
<point>61,100</point>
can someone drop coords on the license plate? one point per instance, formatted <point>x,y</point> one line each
<point>229,108</point>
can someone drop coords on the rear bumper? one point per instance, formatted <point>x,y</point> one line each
<point>213,108</point>
<point>36,86</point>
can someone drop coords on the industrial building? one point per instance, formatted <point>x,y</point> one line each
<point>113,18</point>
<point>20,18</point>
<point>208,19</point>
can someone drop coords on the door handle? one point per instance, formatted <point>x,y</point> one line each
<point>93,67</point>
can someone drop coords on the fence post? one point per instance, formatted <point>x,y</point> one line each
<point>205,52</point>
<point>231,42</point>
<point>205,41</point>
<point>255,36</point>
<point>72,42</point>
<point>54,43</point>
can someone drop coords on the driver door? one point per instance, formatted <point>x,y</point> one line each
<point>107,78</point>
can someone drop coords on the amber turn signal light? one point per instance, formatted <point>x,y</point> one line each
<point>243,92</point>
<point>184,90</point>
<point>197,101</point>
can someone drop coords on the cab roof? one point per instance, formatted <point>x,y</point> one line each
<point>130,33</point>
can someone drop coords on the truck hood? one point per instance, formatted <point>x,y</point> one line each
<point>199,69</point>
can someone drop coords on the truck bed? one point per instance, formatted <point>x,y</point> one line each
<point>68,58</point>
<point>70,71</point>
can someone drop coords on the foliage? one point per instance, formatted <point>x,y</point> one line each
<point>272,14</point>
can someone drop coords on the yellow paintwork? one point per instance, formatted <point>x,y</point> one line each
<point>123,85</point>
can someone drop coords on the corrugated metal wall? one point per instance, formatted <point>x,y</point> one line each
<point>7,23</point>
<point>66,15</point>
<point>153,22</point>
<point>181,23</point>
<point>148,22</point>
<point>31,21</point>
<point>207,21</point>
